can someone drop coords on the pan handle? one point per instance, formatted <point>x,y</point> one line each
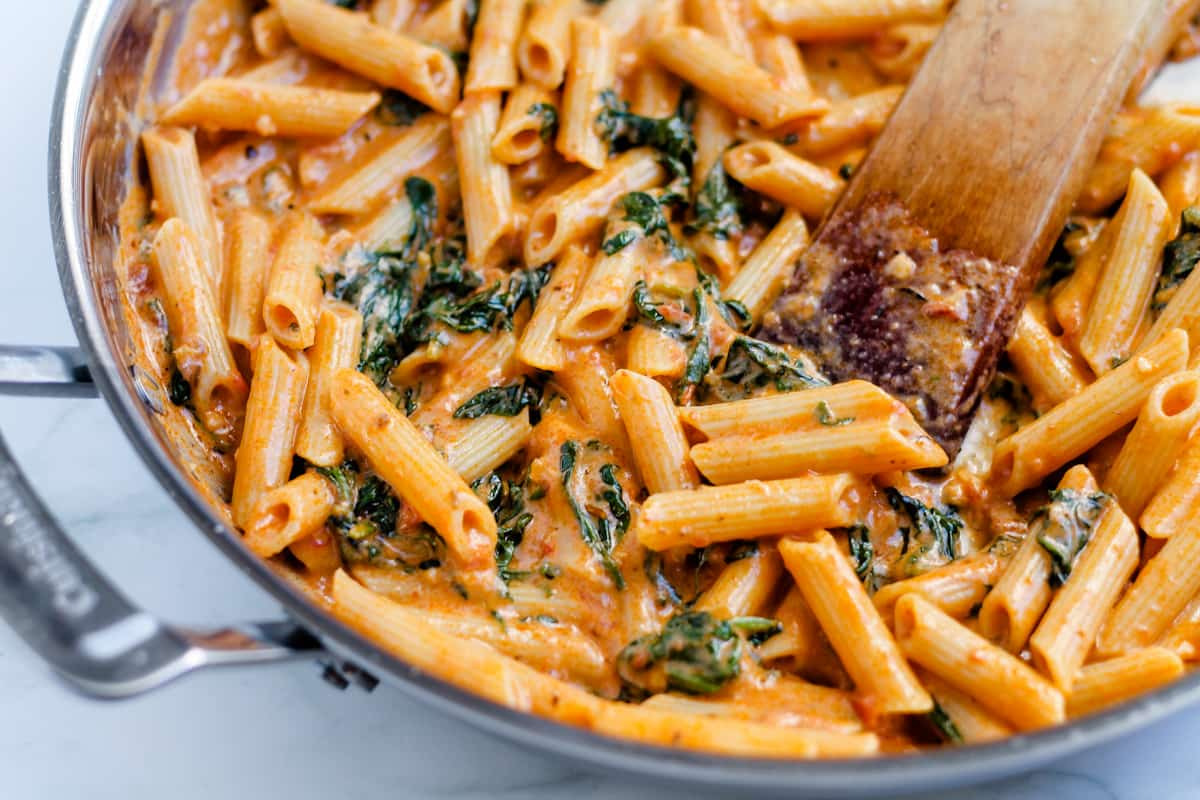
<point>88,631</point>
<point>44,372</point>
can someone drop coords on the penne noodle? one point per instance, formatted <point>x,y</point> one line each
<point>1068,629</point>
<point>974,723</point>
<point>493,63</point>
<point>768,168</point>
<point>1150,143</point>
<point>790,411</point>
<point>1158,439</point>
<point>486,190</point>
<point>415,471</point>
<point>733,79</point>
<point>1052,373</point>
<point>743,587</point>
<point>384,56</point>
<point>815,20</point>
<point>652,353</point>
<point>1107,683</point>
<point>181,191</point>
<point>1011,610</point>
<point>527,125</point>
<point>602,300</point>
<point>1122,297</point>
<point>721,20</point>
<point>201,352</point>
<point>264,455</point>
<point>364,183</point>
<point>590,72</point>
<point>748,510</point>
<point>545,45</point>
<point>1075,426</point>
<point>292,512</point>
<point>659,446</point>
<point>778,55</point>
<point>337,346</point>
<point>849,123</point>
<point>864,448</point>
<point>270,109</point>
<point>393,14</point>
<point>761,277</point>
<point>249,260</point>
<point>898,50</point>
<point>580,210</point>
<point>540,346</point>
<point>294,289</point>
<point>957,588</point>
<point>1164,586</point>
<point>486,443</point>
<point>269,33</point>
<point>993,678</point>
<point>853,625</point>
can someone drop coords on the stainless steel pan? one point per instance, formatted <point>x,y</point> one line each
<point>105,646</point>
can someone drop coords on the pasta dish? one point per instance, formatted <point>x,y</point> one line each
<point>470,312</point>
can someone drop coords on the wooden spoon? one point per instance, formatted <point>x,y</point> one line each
<point>916,278</point>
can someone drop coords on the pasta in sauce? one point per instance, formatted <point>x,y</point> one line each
<point>459,302</point>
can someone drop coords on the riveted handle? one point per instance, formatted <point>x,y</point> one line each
<point>87,630</point>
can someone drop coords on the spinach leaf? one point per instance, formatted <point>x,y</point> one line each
<point>1179,258</point>
<point>751,364</point>
<point>671,136</point>
<point>700,354</point>
<point>1063,527</point>
<point>825,416</point>
<point>549,115</point>
<point>503,401</point>
<point>598,534</point>
<point>506,499</point>
<point>694,653</point>
<point>1060,265</point>
<point>862,551</point>
<point>397,108</point>
<point>945,726</point>
<point>933,529</point>
<point>717,209</point>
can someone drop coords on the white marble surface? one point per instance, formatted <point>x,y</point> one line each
<point>277,731</point>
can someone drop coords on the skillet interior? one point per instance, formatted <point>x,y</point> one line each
<point>93,162</point>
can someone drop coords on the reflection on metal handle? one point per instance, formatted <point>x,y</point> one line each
<point>87,630</point>
<point>44,372</point>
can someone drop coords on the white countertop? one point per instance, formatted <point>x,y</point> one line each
<point>278,731</point>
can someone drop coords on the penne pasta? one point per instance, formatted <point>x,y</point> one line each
<point>590,72</point>
<point>285,515</point>
<point>180,191</point>
<point>579,211</point>
<point>852,624</point>
<point>493,63</point>
<point>768,168</point>
<point>486,190</point>
<point>733,79</point>
<point>200,350</point>
<point>1122,297</point>
<point>364,183</point>
<point>659,446</point>
<point>761,278</point>
<point>1157,440</point>
<point>337,346</point>
<point>407,461</point>
<point>294,288</point>
<point>373,51</point>
<point>487,443</point>
<point>270,109</point>
<point>249,261</point>
<point>527,125</point>
<point>993,678</point>
<point>1107,683</point>
<point>545,45</point>
<point>815,20</point>
<point>748,510</point>
<point>1075,426</point>
<point>264,456</point>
